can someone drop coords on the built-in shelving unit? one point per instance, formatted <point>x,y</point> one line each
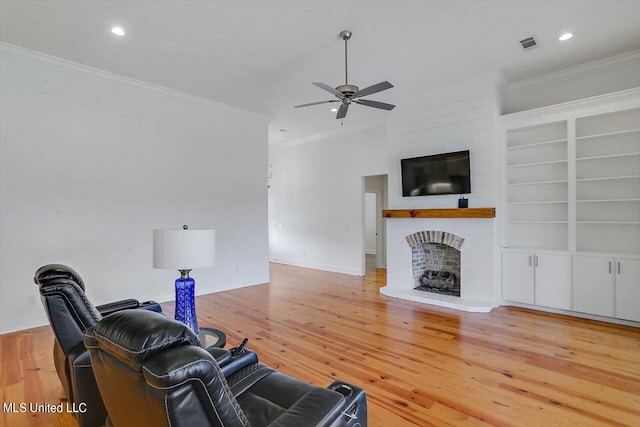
<point>574,184</point>
<point>537,186</point>
<point>608,182</point>
<point>571,200</point>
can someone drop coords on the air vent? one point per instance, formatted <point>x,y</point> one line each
<point>528,43</point>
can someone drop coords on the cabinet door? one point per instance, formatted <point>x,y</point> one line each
<point>517,277</point>
<point>593,285</point>
<point>553,280</point>
<point>628,290</point>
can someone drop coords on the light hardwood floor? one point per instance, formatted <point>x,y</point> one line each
<point>420,365</point>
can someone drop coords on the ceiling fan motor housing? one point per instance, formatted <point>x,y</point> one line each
<point>347,90</point>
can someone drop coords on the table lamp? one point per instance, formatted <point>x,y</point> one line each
<point>184,250</point>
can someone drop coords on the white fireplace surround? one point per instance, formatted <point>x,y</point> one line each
<point>478,294</point>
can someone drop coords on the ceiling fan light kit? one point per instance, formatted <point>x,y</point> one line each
<point>347,94</point>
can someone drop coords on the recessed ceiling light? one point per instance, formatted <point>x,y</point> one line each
<point>334,110</point>
<point>118,31</point>
<point>565,36</point>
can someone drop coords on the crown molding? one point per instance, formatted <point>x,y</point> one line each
<point>578,71</point>
<point>627,96</point>
<point>8,50</point>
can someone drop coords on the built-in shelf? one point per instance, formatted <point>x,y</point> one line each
<point>555,141</point>
<point>550,162</point>
<point>440,213</point>
<point>608,156</point>
<point>606,200</point>
<point>608,178</point>
<point>563,181</point>
<point>608,222</point>
<point>538,222</point>
<point>622,132</point>
<point>542,202</point>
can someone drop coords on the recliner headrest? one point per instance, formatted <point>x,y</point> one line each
<point>49,272</point>
<point>75,301</point>
<point>133,336</point>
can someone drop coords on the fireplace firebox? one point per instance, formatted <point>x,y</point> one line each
<point>436,261</point>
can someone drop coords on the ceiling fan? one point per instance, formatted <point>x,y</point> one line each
<point>347,94</point>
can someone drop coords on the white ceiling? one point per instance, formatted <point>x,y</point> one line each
<point>263,55</point>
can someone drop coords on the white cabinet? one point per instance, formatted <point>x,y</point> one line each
<point>518,277</point>
<point>537,278</point>
<point>593,280</point>
<point>553,280</point>
<point>628,289</point>
<point>607,286</point>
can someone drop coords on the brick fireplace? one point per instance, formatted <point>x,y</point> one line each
<point>411,233</point>
<point>435,260</point>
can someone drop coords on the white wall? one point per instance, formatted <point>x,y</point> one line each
<point>91,163</point>
<point>316,195</point>
<point>455,118</point>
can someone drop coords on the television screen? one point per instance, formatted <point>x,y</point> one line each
<point>447,173</point>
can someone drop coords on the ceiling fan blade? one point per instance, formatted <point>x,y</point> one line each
<point>379,87</point>
<point>315,103</point>
<point>375,104</point>
<point>342,111</point>
<point>328,89</point>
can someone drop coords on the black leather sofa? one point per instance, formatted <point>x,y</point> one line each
<point>151,371</point>
<point>70,313</point>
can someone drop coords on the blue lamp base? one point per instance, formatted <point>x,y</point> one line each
<point>186,301</point>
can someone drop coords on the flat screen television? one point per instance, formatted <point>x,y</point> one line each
<point>448,173</point>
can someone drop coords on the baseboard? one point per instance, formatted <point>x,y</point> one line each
<point>573,314</point>
<point>315,266</point>
<point>21,323</point>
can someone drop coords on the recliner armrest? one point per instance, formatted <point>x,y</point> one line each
<point>230,364</point>
<point>318,407</point>
<point>236,363</point>
<point>112,307</point>
<point>221,355</point>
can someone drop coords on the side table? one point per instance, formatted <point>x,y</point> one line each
<point>210,337</point>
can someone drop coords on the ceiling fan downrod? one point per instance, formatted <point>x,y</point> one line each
<point>346,35</point>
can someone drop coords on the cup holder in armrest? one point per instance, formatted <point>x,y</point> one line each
<point>354,413</point>
<point>344,390</point>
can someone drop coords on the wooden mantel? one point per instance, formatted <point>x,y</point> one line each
<point>440,213</point>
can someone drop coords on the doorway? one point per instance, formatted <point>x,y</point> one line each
<point>374,227</point>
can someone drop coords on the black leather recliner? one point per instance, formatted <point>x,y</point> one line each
<point>70,313</point>
<point>151,371</point>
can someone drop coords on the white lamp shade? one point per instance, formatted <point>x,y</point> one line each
<point>184,249</point>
